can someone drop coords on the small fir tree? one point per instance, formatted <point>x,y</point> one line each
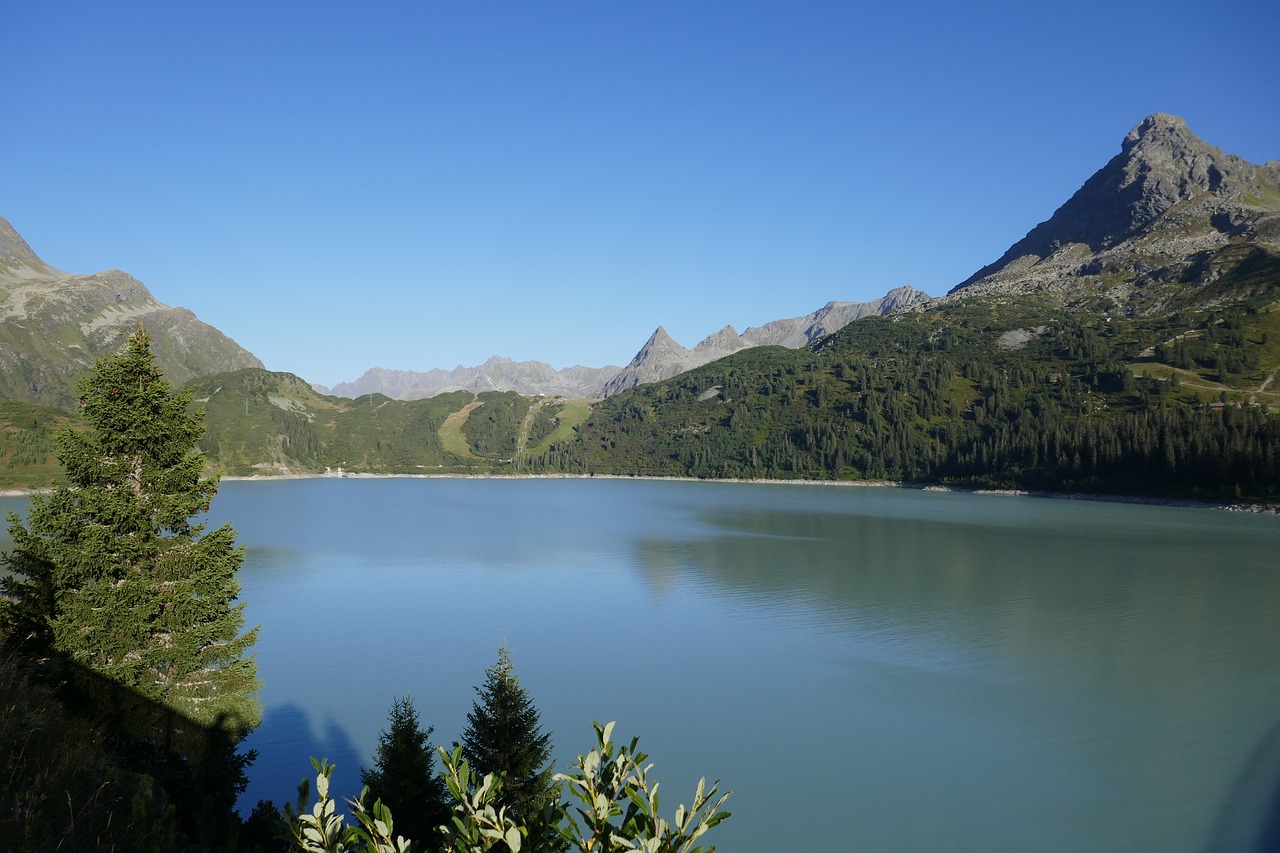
<point>112,578</point>
<point>404,777</point>
<point>504,736</point>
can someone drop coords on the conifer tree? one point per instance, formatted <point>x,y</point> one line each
<point>504,735</point>
<point>112,576</point>
<point>404,777</point>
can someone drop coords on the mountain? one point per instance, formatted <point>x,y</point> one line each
<point>1155,229</point>
<point>496,374</point>
<point>661,357</point>
<point>53,325</point>
<point>1128,345</point>
<point>265,423</point>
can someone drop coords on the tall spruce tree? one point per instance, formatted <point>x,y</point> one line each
<point>504,735</point>
<point>404,777</point>
<point>113,579</point>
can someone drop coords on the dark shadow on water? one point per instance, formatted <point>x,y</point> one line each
<point>286,742</point>
<point>1249,821</point>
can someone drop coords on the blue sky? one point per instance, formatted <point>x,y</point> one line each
<point>426,184</point>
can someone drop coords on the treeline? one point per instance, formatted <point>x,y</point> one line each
<point>950,396</point>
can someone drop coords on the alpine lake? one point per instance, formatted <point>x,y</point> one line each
<point>864,668</point>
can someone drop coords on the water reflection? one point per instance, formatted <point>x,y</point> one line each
<point>1130,655</point>
<point>1091,604</point>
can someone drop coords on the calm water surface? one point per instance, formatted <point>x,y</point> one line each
<point>867,669</point>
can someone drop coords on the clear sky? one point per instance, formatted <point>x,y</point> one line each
<point>424,184</point>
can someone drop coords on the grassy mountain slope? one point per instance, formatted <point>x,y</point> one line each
<point>263,422</point>
<point>54,325</point>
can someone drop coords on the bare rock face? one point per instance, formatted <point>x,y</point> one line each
<point>1145,225</point>
<point>661,357</point>
<point>832,317</point>
<point>54,325</point>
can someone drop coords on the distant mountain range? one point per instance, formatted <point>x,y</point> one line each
<point>53,325</point>
<point>1169,206</point>
<point>496,374</point>
<point>660,358</point>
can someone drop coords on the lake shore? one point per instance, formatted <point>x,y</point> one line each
<point>885,484</point>
<point>882,484</point>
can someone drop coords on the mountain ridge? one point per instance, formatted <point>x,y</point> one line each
<point>498,373</point>
<point>54,325</point>
<point>658,358</point>
<point>662,357</point>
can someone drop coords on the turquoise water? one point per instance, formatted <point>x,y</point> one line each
<point>867,669</point>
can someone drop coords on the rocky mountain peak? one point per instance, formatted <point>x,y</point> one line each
<point>725,341</point>
<point>662,357</point>
<point>1158,128</point>
<point>1165,179</point>
<point>660,336</point>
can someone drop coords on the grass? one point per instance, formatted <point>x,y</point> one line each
<point>573,414</point>
<point>451,436</point>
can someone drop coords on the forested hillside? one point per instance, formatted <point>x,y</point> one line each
<point>27,443</point>
<point>1013,393</point>
<point>262,422</point>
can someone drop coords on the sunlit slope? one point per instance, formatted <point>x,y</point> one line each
<point>263,422</point>
<point>1010,392</point>
<point>271,423</point>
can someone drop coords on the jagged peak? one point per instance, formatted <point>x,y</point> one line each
<point>1161,165</point>
<point>660,336</point>
<point>1157,127</point>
